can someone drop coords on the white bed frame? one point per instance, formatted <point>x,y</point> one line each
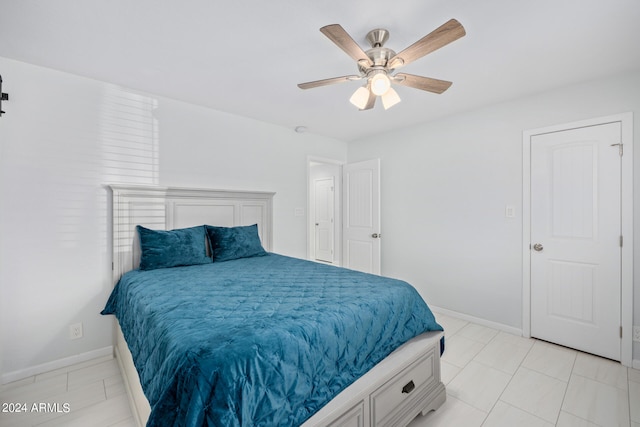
<point>392,393</point>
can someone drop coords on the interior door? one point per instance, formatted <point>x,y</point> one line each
<point>361,217</point>
<point>575,238</point>
<point>324,223</point>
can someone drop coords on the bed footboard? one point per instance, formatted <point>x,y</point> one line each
<point>392,393</point>
<point>406,383</point>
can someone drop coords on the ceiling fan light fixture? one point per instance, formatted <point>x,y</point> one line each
<point>378,64</point>
<point>360,97</point>
<point>390,98</point>
<point>380,83</point>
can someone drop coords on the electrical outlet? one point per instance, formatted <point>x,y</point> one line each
<point>75,331</point>
<point>636,333</point>
<point>510,211</point>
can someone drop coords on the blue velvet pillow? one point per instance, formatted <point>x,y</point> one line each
<point>229,243</point>
<point>162,249</point>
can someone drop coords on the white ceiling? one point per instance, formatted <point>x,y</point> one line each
<point>246,56</point>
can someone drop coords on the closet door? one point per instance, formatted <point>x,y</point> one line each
<point>576,238</point>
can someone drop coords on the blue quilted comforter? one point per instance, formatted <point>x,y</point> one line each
<point>264,341</point>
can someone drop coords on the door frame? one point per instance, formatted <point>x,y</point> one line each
<point>626,296</point>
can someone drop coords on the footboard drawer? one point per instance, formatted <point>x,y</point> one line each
<point>353,418</point>
<point>394,398</point>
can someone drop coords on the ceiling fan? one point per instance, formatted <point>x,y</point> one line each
<point>377,64</point>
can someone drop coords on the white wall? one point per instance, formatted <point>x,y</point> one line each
<point>61,139</point>
<point>445,186</point>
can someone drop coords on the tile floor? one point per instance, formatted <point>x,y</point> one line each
<point>93,390</point>
<point>492,379</point>
<point>495,379</point>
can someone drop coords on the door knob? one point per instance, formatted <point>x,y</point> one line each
<point>538,247</point>
<point>376,235</point>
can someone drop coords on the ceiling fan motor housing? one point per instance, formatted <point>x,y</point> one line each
<point>378,54</point>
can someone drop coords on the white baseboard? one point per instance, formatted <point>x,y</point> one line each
<point>55,364</point>
<point>477,320</point>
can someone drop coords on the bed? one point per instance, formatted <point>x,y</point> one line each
<point>257,338</point>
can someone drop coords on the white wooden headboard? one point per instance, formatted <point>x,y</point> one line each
<point>164,208</point>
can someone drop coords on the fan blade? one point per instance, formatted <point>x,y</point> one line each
<point>326,82</point>
<point>343,40</point>
<point>422,83</point>
<point>448,32</point>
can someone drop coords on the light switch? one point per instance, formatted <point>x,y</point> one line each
<point>510,211</point>
<point>298,212</point>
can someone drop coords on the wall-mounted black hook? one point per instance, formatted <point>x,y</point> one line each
<point>3,97</point>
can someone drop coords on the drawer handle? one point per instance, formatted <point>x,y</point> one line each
<point>408,388</point>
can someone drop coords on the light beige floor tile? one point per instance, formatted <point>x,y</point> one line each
<point>36,392</point>
<point>450,324</point>
<point>634,375</point>
<point>568,420</point>
<point>448,372</point>
<point>504,353</point>
<point>129,422</point>
<point>504,415</point>
<point>76,395</point>
<point>602,370</point>
<point>91,374</point>
<point>515,339</point>
<point>83,397</point>
<point>634,401</point>
<point>19,383</point>
<point>65,403</point>
<point>103,414</point>
<point>453,412</point>
<point>33,414</point>
<point>479,385</point>
<point>551,360</point>
<point>535,393</point>
<point>51,374</point>
<point>75,367</point>
<point>114,386</point>
<point>14,417</point>
<point>596,402</point>
<point>460,350</point>
<point>478,333</point>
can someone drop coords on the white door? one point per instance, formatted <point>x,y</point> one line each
<point>361,237</point>
<point>575,238</point>
<point>323,215</point>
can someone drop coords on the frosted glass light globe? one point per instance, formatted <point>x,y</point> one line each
<point>380,84</point>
